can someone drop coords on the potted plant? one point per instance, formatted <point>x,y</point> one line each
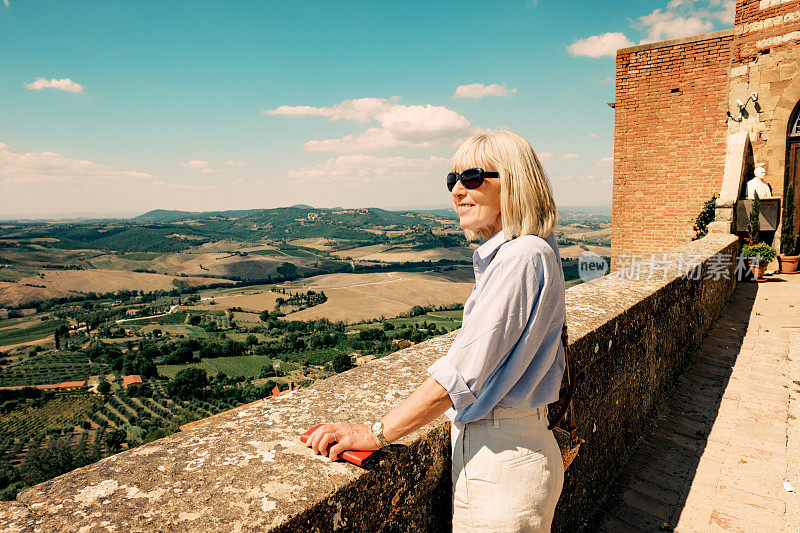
<point>790,255</point>
<point>758,256</point>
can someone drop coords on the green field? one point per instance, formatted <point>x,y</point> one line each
<point>248,366</point>
<point>12,275</point>
<point>299,252</point>
<point>6,322</point>
<point>38,330</point>
<point>66,409</point>
<point>448,319</point>
<point>51,368</point>
<point>140,256</point>
<point>267,252</point>
<point>180,329</point>
<point>242,336</point>
<point>178,317</point>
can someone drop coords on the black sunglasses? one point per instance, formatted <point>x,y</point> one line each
<point>472,178</point>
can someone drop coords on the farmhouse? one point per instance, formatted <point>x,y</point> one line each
<point>134,380</point>
<point>695,116</point>
<point>364,359</point>
<point>65,385</point>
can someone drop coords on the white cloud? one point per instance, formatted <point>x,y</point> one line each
<point>49,182</point>
<point>400,126</point>
<point>564,157</point>
<point>63,84</point>
<point>604,161</point>
<point>661,25</point>
<point>479,90</point>
<point>50,167</point>
<point>204,167</point>
<point>680,18</point>
<point>197,164</point>
<point>593,136</point>
<point>727,13</point>
<point>605,44</point>
<point>361,168</point>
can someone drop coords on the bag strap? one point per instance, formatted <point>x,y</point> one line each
<point>566,405</point>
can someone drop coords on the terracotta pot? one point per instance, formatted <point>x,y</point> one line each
<point>756,273</point>
<point>788,263</point>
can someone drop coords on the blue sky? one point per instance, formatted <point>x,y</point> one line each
<point>121,107</point>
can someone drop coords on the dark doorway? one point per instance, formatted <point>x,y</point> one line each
<point>793,162</point>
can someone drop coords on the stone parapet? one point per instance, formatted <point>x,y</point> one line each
<point>248,471</point>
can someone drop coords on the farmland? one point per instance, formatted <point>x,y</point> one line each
<point>51,367</point>
<point>357,297</point>
<point>211,311</point>
<point>28,331</point>
<point>247,366</point>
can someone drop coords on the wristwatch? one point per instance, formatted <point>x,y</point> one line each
<point>377,429</point>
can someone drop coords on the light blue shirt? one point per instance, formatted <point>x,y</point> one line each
<point>508,351</point>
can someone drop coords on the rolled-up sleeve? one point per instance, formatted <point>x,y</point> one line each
<point>450,378</point>
<point>483,364</point>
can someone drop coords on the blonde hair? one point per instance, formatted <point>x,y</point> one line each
<point>527,206</point>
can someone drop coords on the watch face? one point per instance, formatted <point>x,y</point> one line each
<point>377,426</point>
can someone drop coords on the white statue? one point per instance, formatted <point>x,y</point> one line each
<point>757,184</point>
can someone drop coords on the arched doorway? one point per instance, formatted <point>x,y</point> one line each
<point>793,162</point>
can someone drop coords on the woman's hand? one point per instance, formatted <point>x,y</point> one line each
<point>345,435</point>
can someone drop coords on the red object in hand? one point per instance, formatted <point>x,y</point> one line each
<point>358,458</point>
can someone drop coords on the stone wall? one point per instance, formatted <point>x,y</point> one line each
<point>669,139</point>
<point>248,471</point>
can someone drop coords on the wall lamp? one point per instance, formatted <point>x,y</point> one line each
<point>743,114</point>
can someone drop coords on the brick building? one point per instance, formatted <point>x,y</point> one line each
<point>681,135</point>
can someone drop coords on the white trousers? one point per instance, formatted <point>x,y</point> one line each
<point>507,472</point>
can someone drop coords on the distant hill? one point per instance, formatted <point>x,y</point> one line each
<point>169,215</point>
<point>281,216</point>
<point>589,209</point>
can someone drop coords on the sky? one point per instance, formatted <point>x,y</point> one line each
<point>116,108</point>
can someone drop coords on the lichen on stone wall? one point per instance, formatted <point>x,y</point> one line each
<point>248,470</point>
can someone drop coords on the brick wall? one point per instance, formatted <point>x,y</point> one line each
<point>669,139</point>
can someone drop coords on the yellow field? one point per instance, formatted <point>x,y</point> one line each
<point>248,300</point>
<point>55,283</point>
<point>398,254</point>
<point>355,297</point>
<point>319,243</point>
<point>574,251</point>
<point>223,264</point>
<point>110,280</point>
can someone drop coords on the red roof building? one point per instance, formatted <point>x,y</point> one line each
<point>134,380</point>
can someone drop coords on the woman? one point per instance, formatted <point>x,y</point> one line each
<point>506,362</point>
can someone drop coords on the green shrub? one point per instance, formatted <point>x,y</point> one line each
<point>706,216</point>
<point>761,250</point>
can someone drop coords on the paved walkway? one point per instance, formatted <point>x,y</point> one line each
<point>728,436</point>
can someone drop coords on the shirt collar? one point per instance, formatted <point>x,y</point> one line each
<point>486,251</point>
